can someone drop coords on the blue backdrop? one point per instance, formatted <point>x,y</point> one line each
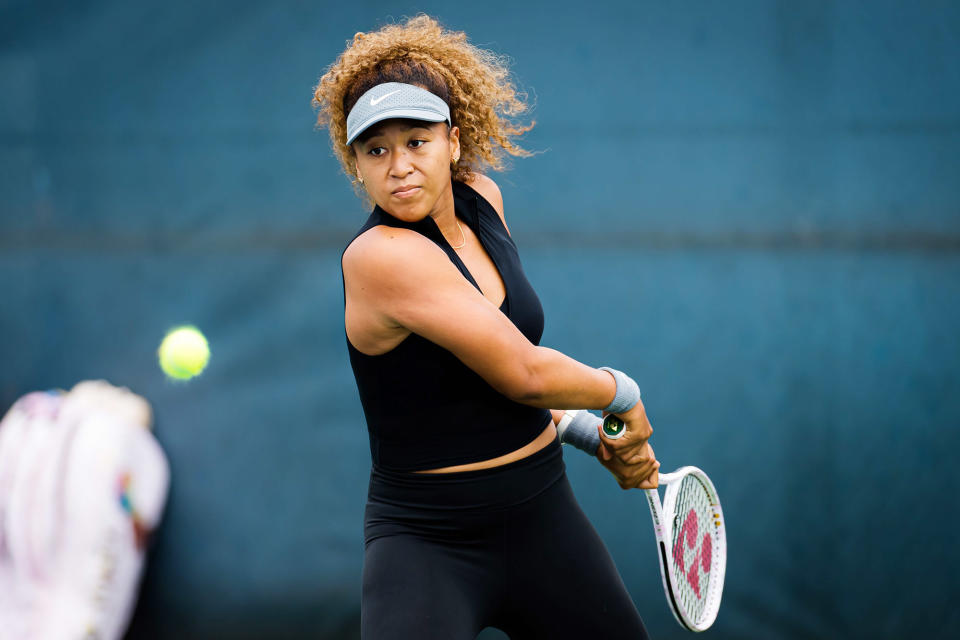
<point>773,184</point>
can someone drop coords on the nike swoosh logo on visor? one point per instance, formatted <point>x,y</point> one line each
<point>375,101</point>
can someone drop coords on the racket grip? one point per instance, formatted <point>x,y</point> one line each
<point>613,427</point>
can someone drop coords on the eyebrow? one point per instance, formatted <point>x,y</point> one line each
<point>377,130</point>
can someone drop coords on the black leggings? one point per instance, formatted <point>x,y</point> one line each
<point>450,554</point>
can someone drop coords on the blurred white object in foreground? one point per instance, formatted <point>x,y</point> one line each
<point>82,483</point>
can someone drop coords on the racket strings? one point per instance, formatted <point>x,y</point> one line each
<point>692,545</point>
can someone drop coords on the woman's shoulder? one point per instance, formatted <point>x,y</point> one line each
<point>379,253</point>
<point>393,242</point>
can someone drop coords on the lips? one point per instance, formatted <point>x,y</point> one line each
<point>406,190</point>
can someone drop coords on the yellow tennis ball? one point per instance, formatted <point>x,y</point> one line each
<point>183,353</point>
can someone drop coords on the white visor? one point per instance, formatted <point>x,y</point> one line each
<point>395,100</point>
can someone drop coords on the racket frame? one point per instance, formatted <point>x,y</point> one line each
<point>663,529</point>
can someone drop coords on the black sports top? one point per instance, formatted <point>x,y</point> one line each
<point>424,408</point>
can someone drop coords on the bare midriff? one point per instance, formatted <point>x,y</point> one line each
<point>546,436</point>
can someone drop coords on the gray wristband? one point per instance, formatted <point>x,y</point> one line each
<point>581,431</point>
<point>628,393</point>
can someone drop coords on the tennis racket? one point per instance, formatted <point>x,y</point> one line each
<point>691,539</point>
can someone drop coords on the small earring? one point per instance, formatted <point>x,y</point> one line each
<point>360,178</point>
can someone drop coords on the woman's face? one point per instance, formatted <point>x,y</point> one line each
<point>405,165</point>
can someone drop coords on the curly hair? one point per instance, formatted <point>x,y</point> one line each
<point>474,82</point>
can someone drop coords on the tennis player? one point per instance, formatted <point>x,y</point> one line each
<point>470,520</point>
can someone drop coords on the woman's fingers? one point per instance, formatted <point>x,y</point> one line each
<point>605,451</point>
<point>633,476</point>
<point>637,422</point>
<point>632,453</point>
<point>652,481</point>
<point>625,449</point>
<point>638,473</point>
<point>629,446</point>
<point>630,458</point>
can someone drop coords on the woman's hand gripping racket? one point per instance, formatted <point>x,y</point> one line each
<point>691,539</point>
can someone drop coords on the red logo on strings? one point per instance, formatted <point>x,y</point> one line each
<point>701,559</point>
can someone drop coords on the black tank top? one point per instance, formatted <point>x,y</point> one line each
<point>424,408</point>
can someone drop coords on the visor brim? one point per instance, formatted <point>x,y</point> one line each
<point>426,115</point>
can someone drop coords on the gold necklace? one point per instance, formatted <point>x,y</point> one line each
<point>464,241</point>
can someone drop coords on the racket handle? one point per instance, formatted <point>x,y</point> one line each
<point>613,427</point>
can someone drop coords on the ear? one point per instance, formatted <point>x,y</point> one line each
<point>454,137</point>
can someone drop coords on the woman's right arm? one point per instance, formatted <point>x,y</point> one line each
<point>410,282</point>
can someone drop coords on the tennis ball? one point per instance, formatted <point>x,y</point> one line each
<point>183,353</point>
